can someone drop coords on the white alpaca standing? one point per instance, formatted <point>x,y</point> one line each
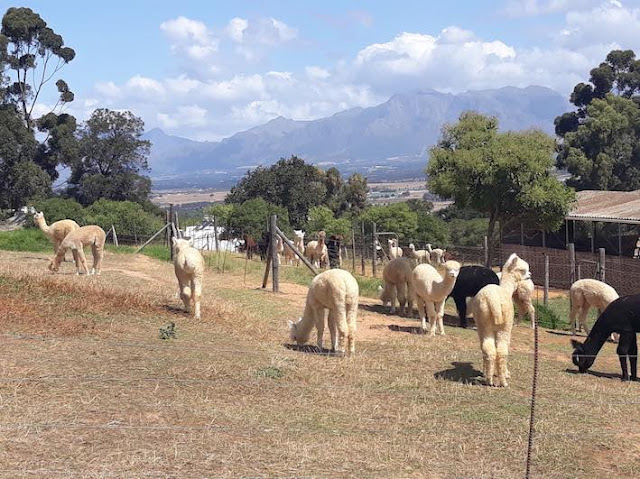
<point>492,310</point>
<point>431,291</point>
<point>394,250</point>
<point>421,255</point>
<point>317,251</point>
<point>436,255</point>
<point>56,231</point>
<point>585,294</point>
<point>335,290</point>
<point>279,249</point>
<point>91,235</point>
<point>188,265</point>
<point>523,297</point>
<point>398,283</point>
<point>298,242</point>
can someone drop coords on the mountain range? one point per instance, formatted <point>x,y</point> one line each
<point>387,141</point>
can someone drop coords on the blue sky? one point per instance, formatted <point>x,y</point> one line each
<point>206,70</point>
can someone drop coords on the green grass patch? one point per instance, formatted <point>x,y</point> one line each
<point>29,239</point>
<point>270,372</point>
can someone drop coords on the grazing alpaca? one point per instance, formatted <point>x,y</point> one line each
<point>398,284</point>
<point>335,290</point>
<point>422,255</point>
<point>585,294</point>
<point>298,242</point>
<point>56,231</point>
<point>436,255</point>
<point>250,245</point>
<point>394,250</point>
<point>470,280</point>
<point>492,310</point>
<point>431,291</point>
<point>91,235</point>
<point>316,251</point>
<point>188,265</point>
<point>523,297</point>
<point>621,316</point>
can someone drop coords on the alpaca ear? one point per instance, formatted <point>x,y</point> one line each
<point>380,288</point>
<point>290,324</point>
<point>576,344</point>
<point>511,261</point>
<point>174,240</point>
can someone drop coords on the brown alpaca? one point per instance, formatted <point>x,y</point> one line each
<point>56,231</point>
<point>93,236</point>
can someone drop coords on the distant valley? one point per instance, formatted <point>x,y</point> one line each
<point>386,142</point>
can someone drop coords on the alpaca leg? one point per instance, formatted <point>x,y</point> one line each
<point>343,328</point>
<point>393,294</point>
<point>83,261</point>
<point>333,329</point>
<point>185,294</point>
<point>196,287</point>
<point>410,297</point>
<point>440,312</point>
<point>352,312</point>
<point>502,352</point>
<point>488,346</point>
<point>583,318</point>
<point>576,307</point>
<point>532,313</point>
<point>76,259</point>
<point>98,254</point>
<point>461,306</point>
<point>624,347</point>
<point>433,317</point>
<point>401,288</point>
<point>319,317</point>
<point>633,358</point>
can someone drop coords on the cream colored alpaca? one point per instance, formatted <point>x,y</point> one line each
<point>56,231</point>
<point>394,250</point>
<point>279,248</point>
<point>436,255</point>
<point>91,235</point>
<point>492,310</point>
<point>188,265</point>
<point>523,297</point>
<point>421,255</point>
<point>335,290</point>
<point>317,251</point>
<point>398,283</point>
<point>585,294</point>
<point>298,242</point>
<point>431,291</point>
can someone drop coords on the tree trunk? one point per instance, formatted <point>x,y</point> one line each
<point>490,236</point>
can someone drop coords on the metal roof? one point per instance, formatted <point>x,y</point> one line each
<point>606,207</point>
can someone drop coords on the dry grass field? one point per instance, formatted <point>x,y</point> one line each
<point>88,388</point>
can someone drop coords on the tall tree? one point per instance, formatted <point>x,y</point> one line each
<point>600,141</point>
<point>112,156</point>
<point>505,175</point>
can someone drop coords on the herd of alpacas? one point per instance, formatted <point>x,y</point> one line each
<point>423,278</point>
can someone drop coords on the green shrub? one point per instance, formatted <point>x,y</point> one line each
<point>56,209</point>
<point>25,240</point>
<point>128,218</point>
<point>547,317</point>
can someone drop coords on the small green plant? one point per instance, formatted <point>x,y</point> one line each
<point>547,317</point>
<point>168,331</point>
<point>270,372</point>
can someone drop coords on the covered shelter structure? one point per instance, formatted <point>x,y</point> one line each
<point>613,207</point>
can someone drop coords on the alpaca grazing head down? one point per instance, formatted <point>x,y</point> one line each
<point>54,265</point>
<point>294,334</point>
<point>580,358</point>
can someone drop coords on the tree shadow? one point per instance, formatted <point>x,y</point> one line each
<point>311,349</point>
<point>461,372</point>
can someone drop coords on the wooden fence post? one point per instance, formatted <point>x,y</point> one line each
<point>546,280</point>
<point>215,234</point>
<point>362,250</point>
<point>602,264</point>
<point>375,250</point>
<point>486,252</point>
<point>572,263</point>
<point>115,236</point>
<point>274,254</point>
<point>579,271</point>
<point>170,229</point>
<point>353,250</point>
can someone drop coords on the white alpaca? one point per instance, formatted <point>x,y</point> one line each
<point>279,248</point>
<point>585,294</point>
<point>188,265</point>
<point>436,255</point>
<point>335,290</point>
<point>91,235</point>
<point>421,255</point>
<point>298,242</point>
<point>431,291</point>
<point>523,297</point>
<point>55,231</point>
<point>492,310</point>
<point>317,251</point>
<point>398,283</point>
<point>394,250</point>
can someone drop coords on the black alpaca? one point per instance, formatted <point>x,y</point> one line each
<point>621,316</point>
<point>471,279</point>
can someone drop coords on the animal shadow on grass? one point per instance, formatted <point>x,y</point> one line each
<point>460,373</point>
<point>377,308</point>
<point>596,374</point>
<point>174,310</point>
<point>311,349</point>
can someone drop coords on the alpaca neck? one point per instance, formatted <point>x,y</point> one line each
<point>446,283</point>
<point>508,283</point>
<point>42,224</point>
<point>304,327</point>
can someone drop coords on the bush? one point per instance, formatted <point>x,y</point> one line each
<point>56,209</point>
<point>547,317</point>
<point>252,217</point>
<point>322,218</point>
<point>128,218</point>
<point>25,240</point>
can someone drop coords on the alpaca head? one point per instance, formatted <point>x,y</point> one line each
<point>412,247</point>
<point>179,243</point>
<point>391,243</point>
<point>299,234</point>
<point>293,328</point>
<point>517,267</point>
<point>452,268</point>
<point>384,295</point>
<point>321,235</point>
<point>579,357</point>
<point>54,265</point>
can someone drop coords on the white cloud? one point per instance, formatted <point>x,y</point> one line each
<point>317,72</point>
<point>253,38</point>
<point>183,116</point>
<point>190,37</point>
<point>530,8</point>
